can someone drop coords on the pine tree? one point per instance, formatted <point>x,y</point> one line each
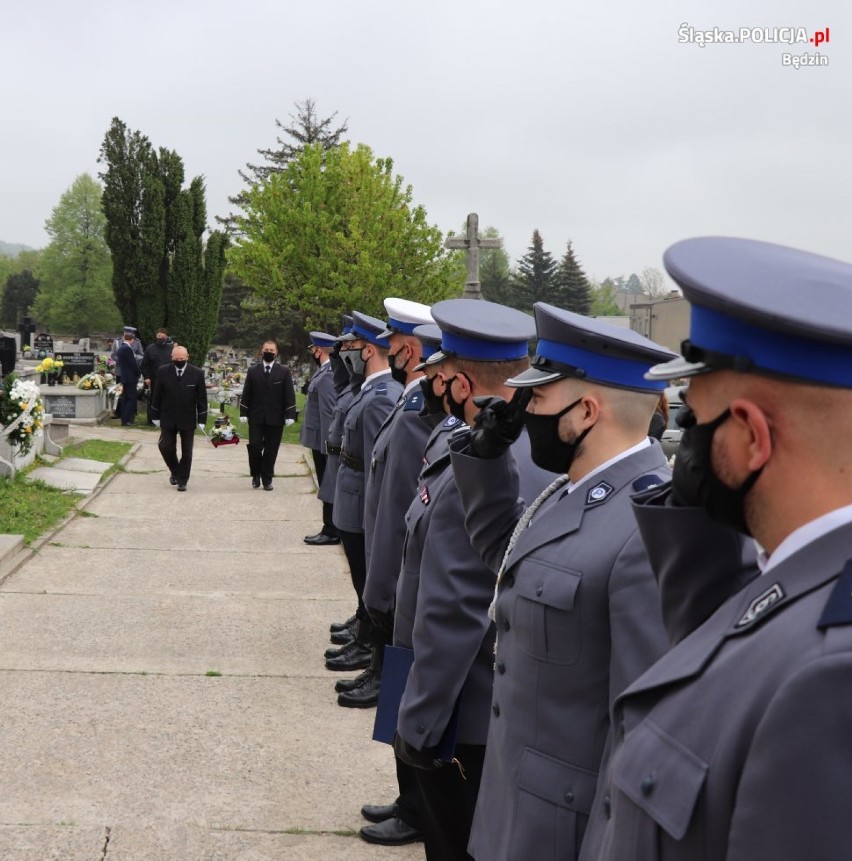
<point>534,279</point>
<point>572,290</point>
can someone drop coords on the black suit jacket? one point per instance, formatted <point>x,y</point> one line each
<point>179,402</point>
<point>268,400</point>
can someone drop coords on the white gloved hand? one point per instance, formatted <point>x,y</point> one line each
<point>243,419</point>
<point>289,421</point>
<point>156,422</point>
<point>201,427</point>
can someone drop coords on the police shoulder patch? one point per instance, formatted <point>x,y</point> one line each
<point>414,402</point>
<point>646,482</point>
<point>599,493</point>
<point>838,608</point>
<point>766,601</point>
<point>450,422</point>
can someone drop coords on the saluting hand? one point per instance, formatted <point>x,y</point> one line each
<point>498,423</point>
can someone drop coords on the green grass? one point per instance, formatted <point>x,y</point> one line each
<point>291,432</point>
<point>32,509</point>
<point>106,451</point>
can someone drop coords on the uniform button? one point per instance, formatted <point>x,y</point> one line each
<point>496,709</point>
<point>569,796</point>
<point>607,805</point>
<point>506,624</point>
<point>539,590</point>
<point>420,728</point>
<point>648,783</point>
<point>501,667</point>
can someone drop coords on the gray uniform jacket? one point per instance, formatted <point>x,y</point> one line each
<point>736,745</point>
<point>578,619</point>
<point>319,406</point>
<point>391,485</point>
<point>452,636</point>
<point>366,413</point>
<point>332,444</point>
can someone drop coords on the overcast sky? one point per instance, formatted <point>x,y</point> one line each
<point>588,121</point>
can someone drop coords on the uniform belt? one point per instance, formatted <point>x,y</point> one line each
<point>332,449</point>
<point>352,462</point>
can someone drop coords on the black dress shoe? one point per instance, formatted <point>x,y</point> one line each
<point>339,626</point>
<point>364,697</point>
<point>321,539</point>
<point>342,685</point>
<point>342,638</point>
<point>354,657</point>
<point>255,482</point>
<point>268,487</point>
<point>173,480</point>
<point>391,832</point>
<point>378,812</point>
<point>181,486</point>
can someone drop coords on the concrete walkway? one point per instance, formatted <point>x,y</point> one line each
<point>162,688</point>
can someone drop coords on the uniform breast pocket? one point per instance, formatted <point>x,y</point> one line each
<point>546,620</point>
<point>661,776</point>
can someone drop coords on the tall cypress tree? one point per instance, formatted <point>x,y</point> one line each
<point>572,288</point>
<point>534,278</point>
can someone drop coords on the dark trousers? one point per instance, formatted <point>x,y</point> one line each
<point>447,802</point>
<point>353,547</point>
<point>263,444</point>
<point>128,403</point>
<point>168,449</point>
<point>408,800</point>
<point>328,527</point>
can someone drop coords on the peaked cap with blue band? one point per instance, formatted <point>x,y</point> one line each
<point>404,316</point>
<point>346,322</point>
<point>481,331</point>
<point>322,339</point>
<point>366,328</point>
<point>430,342</point>
<point>577,347</point>
<point>762,308</point>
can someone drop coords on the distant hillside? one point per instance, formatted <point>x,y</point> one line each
<point>12,249</point>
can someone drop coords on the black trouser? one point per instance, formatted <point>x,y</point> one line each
<point>447,802</point>
<point>263,444</point>
<point>128,404</point>
<point>353,547</point>
<point>408,800</point>
<point>328,527</point>
<point>168,449</point>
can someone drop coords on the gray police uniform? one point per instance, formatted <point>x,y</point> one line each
<point>577,618</point>
<point>365,415</point>
<point>736,744</point>
<point>333,443</point>
<point>391,485</point>
<point>319,406</point>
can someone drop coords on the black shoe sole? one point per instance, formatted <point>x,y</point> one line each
<point>358,664</point>
<point>371,703</point>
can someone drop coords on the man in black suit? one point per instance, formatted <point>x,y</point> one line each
<point>180,403</point>
<point>128,370</point>
<point>268,402</point>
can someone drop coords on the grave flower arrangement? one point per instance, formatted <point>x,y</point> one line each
<point>49,365</point>
<point>95,380</point>
<point>223,433</point>
<point>21,412</point>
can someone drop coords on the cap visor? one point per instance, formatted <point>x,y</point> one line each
<point>676,368</point>
<point>349,336</point>
<point>435,359</point>
<point>534,377</point>
<point>386,334</point>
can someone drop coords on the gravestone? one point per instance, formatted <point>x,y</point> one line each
<point>61,406</point>
<point>76,363</point>
<point>42,345</point>
<point>7,354</point>
<point>472,242</point>
<point>26,328</point>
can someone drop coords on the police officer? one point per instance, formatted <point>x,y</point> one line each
<point>577,608</point>
<point>366,353</point>
<point>735,745</point>
<point>444,587</point>
<point>319,407</point>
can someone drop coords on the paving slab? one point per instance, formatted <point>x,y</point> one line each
<point>58,842</point>
<point>10,544</point>
<point>65,479</point>
<point>83,464</point>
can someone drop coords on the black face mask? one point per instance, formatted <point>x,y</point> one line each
<point>268,357</point>
<point>456,407</point>
<point>546,449</point>
<point>339,371</point>
<point>317,360</point>
<point>161,341</point>
<point>695,482</point>
<point>399,375</point>
<point>432,404</point>
<point>179,364</point>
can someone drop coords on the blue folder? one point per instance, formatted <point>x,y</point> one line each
<point>395,669</point>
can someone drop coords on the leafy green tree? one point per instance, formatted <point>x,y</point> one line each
<point>337,230</point>
<point>571,286</point>
<point>603,299</point>
<point>75,294</point>
<point>18,295</point>
<point>306,129</point>
<point>163,275</point>
<point>534,279</point>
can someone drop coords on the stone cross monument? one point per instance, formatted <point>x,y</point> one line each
<point>472,242</point>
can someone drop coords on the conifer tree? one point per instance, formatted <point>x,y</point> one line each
<point>572,289</point>
<point>534,278</point>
